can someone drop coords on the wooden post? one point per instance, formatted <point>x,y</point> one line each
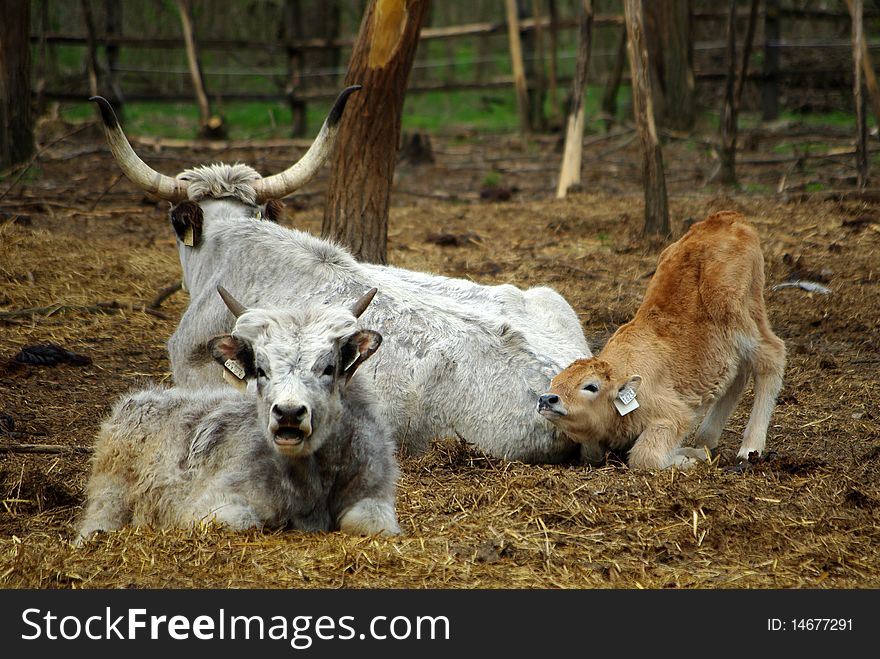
<point>16,122</point>
<point>211,126</point>
<point>612,84</point>
<point>42,60</point>
<point>868,72</point>
<point>770,84</point>
<point>656,204</point>
<point>728,104</point>
<point>516,60</point>
<point>858,36</point>
<point>570,172</point>
<point>362,170</point>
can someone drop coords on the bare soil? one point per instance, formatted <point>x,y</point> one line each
<point>89,252</point>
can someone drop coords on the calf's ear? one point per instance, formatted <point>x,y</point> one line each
<point>633,383</point>
<point>356,349</point>
<point>235,355</point>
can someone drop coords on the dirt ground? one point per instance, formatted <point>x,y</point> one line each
<point>89,251</point>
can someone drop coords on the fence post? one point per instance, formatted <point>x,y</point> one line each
<point>114,28</point>
<point>292,31</point>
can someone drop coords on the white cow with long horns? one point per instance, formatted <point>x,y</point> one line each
<point>459,358</point>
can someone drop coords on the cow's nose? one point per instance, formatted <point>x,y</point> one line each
<point>289,414</point>
<point>548,400</point>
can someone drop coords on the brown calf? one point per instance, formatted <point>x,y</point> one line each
<point>700,335</point>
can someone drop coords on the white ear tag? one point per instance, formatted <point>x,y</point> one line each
<point>188,238</point>
<point>626,401</point>
<point>233,373</point>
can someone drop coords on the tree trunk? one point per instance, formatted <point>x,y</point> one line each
<point>91,47</point>
<point>656,204</point>
<point>516,60</point>
<point>114,28</point>
<point>747,53</point>
<point>868,71</point>
<point>211,126</point>
<point>356,214</point>
<point>554,60</point>
<point>770,85</point>
<point>612,85</point>
<point>858,37</point>
<point>293,31</point>
<point>16,122</point>
<point>570,173</point>
<point>671,58</point>
<point>728,105</point>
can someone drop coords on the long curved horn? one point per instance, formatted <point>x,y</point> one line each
<point>302,171</point>
<point>361,305</point>
<point>236,307</point>
<point>139,172</point>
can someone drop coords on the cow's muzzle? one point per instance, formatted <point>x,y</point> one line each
<point>550,406</point>
<point>290,424</point>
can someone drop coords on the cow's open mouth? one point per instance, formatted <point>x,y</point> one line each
<point>290,435</point>
<point>549,412</point>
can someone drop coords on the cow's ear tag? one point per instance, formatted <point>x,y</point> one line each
<point>626,401</point>
<point>234,374</point>
<point>188,237</point>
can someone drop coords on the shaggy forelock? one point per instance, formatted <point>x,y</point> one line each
<point>309,327</point>
<point>221,180</point>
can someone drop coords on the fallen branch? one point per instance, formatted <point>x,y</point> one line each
<point>100,307</point>
<point>163,295</point>
<point>43,448</point>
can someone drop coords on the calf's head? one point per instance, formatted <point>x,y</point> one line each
<point>586,397</point>
<point>301,360</point>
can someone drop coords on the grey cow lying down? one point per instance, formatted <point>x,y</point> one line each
<point>305,448</point>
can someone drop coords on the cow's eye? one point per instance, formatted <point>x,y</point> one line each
<point>592,387</point>
<point>261,373</point>
<point>330,369</point>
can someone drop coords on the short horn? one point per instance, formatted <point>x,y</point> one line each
<point>361,305</point>
<point>301,172</point>
<point>236,307</point>
<point>139,172</point>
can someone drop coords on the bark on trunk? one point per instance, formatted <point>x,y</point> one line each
<point>656,204</point>
<point>16,122</point>
<point>516,60</point>
<point>570,172</point>
<point>858,37</point>
<point>728,106</point>
<point>671,58</point>
<point>362,168</point>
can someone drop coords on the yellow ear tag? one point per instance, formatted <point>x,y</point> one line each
<point>188,238</point>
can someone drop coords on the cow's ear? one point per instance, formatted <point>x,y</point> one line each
<point>274,211</point>
<point>187,220</point>
<point>234,355</point>
<point>356,349</point>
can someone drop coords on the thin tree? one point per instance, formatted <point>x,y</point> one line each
<point>16,122</point>
<point>858,36</point>
<point>516,61</point>
<point>362,169</point>
<point>656,204</point>
<point>671,58</point>
<point>570,172</point>
<point>211,125</point>
<point>728,106</point>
